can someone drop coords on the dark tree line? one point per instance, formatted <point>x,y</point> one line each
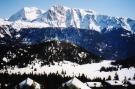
<point>125,63</point>
<point>107,69</point>
<point>51,81</point>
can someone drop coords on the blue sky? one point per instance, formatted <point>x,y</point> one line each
<point>122,8</point>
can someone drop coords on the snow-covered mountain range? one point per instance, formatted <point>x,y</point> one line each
<point>107,36</point>
<point>60,16</point>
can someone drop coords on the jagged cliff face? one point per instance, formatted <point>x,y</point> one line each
<point>60,16</point>
<point>106,36</point>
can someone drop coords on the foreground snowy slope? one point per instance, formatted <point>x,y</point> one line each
<point>72,69</point>
<point>76,83</point>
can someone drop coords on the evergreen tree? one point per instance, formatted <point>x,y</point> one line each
<point>109,77</point>
<point>116,77</point>
<point>102,69</point>
<point>125,80</point>
<point>134,77</point>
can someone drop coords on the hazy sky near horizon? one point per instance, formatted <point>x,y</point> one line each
<point>120,8</point>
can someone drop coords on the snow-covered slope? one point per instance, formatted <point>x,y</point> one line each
<point>4,22</point>
<point>94,84</point>
<point>60,16</point>
<point>72,69</point>
<point>26,14</point>
<point>77,84</point>
<point>29,82</point>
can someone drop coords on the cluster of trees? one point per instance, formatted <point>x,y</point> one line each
<point>50,81</point>
<point>16,55</point>
<point>116,77</point>
<point>47,52</point>
<point>58,51</point>
<point>47,81</point>
<point>108,69</point>
<point>125,63</point>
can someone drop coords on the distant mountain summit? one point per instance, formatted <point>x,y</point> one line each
<point>61,16</point>
<point>26,14</point>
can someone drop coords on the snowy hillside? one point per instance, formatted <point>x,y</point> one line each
<point>77,83</point>
<point>48,53</point>
<point>61,58</point>
<point>72,69</point>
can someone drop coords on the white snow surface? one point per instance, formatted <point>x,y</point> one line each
<point>4,22</point>
<point>94,84</point>
<point>26,14</point>
<point>61,16</point>
<point>5,59</point>
<point>1,35</point>
<point>77,83</point>
<point>114,82</point>
<point>73,69</point>
<point>29,82</point>
<point>131,82</point>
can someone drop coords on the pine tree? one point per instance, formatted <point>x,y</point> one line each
<point>134,77</point>
<point>125,80</point>
<point>62,72</point>
<point>102,69</point>
<point>109,77</point>
<point>116,77</point>
<point>104,79</point>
